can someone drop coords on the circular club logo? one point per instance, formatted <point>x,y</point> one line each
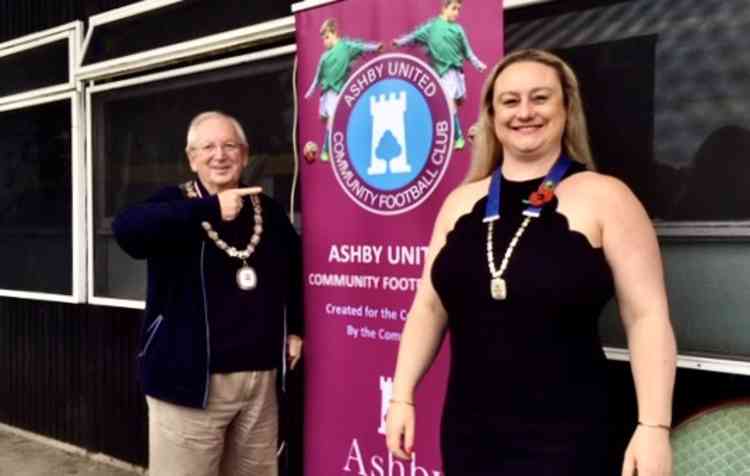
<point>392,134</point>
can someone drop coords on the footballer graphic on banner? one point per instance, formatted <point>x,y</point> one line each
<point>333,69</point>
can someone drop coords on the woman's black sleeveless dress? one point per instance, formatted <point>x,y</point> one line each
<point>527,392</point>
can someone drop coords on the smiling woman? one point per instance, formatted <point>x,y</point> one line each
<point>529,115</point>
<point>509,275</point>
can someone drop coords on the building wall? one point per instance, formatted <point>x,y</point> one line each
<point>19,18</point>
<point>22,18</point>
<point>67,371</point>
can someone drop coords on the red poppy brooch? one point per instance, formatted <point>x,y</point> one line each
<point>542,195</point>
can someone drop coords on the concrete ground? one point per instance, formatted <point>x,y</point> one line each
<point>21,456</point>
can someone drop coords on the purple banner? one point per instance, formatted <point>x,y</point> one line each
<point>387,94</point>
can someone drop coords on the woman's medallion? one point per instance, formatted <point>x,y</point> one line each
<point>498,289</point>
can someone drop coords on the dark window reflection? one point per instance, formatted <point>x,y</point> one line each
<point>617,83</point>
<point>35,198</point>
<point>138,140</point>
<point>39,67</point>
<point>667,97</point>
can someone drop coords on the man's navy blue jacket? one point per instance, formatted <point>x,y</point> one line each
<point>196,320</point>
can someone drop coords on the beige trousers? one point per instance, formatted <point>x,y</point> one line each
<point>234,436</point>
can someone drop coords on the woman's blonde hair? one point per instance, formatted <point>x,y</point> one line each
<point>487,151</point>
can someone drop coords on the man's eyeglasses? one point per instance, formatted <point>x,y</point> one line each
<point>229,148</point>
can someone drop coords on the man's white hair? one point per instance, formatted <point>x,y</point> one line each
<point>197,120</point>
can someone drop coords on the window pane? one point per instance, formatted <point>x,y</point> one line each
<point>38,67</point>
<point>666,93</point>
<point>187,20</point>
<point>138,141</point>
<point>667,101</point>
<point>35,198</point>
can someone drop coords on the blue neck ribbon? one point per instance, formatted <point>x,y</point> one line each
<point>492,209</point>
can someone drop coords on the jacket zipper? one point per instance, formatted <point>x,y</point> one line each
<point>205,316</point>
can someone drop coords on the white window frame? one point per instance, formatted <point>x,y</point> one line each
<point>72,32</point>
<point>274,29</point>
<point>695,231</point>
<point>276,52</point>
<point>725,366</point>
<point>77,197</point>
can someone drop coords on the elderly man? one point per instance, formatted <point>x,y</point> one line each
<point>224,288</point>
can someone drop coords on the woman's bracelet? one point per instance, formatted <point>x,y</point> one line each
<point>655,425</point>
<point>405,402</point>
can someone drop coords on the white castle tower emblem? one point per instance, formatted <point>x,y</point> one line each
<point>386,390</point>
<point>388,148</point>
